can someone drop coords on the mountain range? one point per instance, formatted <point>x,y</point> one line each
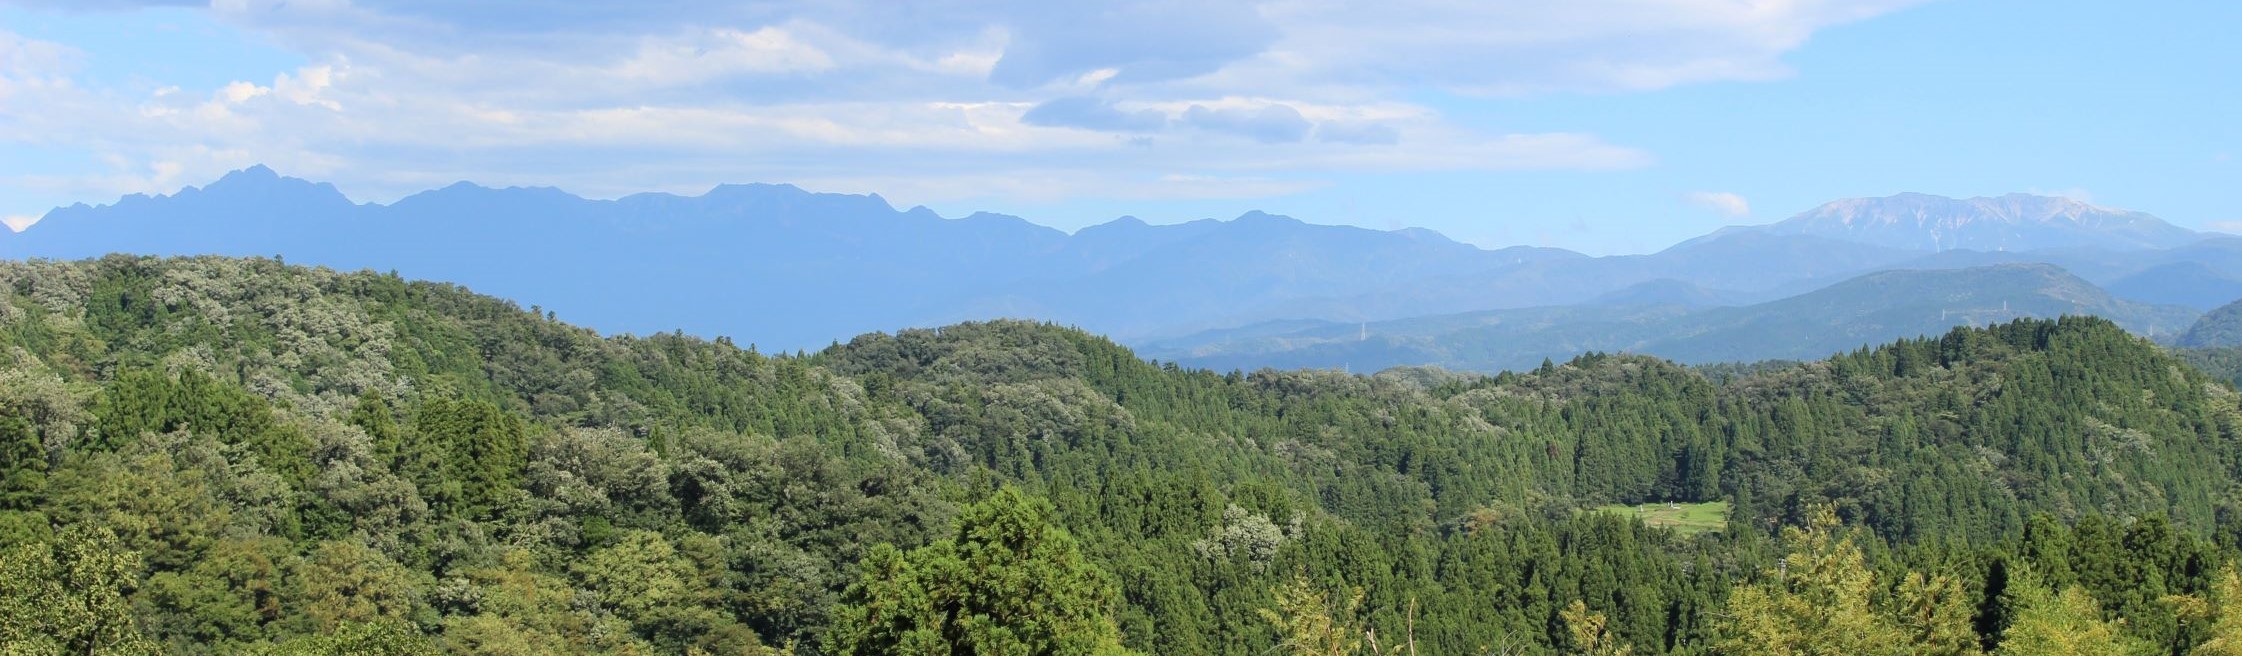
<point>789,269</point>
<point>2013,222</point>
<point>1867,310</point>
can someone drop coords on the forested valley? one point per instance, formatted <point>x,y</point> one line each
<point>222,455</point>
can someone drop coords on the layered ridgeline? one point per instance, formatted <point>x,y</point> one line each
<point>800,270</point>
<point>2014,222</point>
<point>222,455</point>
<point>2219,328</point>
<point>1679,323</point>
<point>793,268</point>
<point>2214,343</point>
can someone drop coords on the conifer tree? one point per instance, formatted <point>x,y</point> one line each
<point>1007,582</point>
<point>1818,601</point>
<point>2051,623</point>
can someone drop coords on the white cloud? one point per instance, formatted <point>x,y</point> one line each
<point>1521,46</point>
<point>609,97</point>
<point>18,222</point>
<point>240,92</point>
<point>2228,227</point>
<point>32,66</point>
<point>718,53</point>
<point>26,57</point>
<point>307,86</point>
<point>1496,46</point>
<point>1727,204</point>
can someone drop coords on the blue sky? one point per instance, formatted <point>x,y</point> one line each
<point>1607,126</point>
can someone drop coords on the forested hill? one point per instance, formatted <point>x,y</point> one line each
<point>218,455</point>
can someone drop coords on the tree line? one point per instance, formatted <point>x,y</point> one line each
<point>218,455</point>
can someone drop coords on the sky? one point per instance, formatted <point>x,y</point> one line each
<point>1604,126</point>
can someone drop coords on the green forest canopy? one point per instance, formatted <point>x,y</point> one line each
<point>214,455</point>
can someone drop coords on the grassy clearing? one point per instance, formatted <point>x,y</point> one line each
<point>1684,518</point>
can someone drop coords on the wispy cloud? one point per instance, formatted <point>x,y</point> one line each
<point>606,96</point>
<point>1727,204</point>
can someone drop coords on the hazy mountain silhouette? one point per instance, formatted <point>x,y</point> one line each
<point>772,264</point>
<point>786,268</point>
<point>2014,222</point>
<point>1870,309</point>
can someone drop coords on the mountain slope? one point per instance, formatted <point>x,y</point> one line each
<point>1667,291</point>
<point>2219,328</point>
<point>742,259</point>
<point>788,269</point>
<point>2193,275</point>
<point>1745,266</point>
<point>2014,222</point>
<point>2192,284</point>
<point>772,263</point>
<point>262,456</point>
<point>1214,272</point>
<point>1889,305</point>
<point>1869,309</point>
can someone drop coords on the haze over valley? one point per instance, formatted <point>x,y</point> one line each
<point>1120,328</point>
<point>763,264</point>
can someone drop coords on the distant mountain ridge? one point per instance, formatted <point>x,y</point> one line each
<point>790,269</point>
<point>1869,309</point>
<point>2183,282</point>
<point>2014,222</point>
<point>772,264</point>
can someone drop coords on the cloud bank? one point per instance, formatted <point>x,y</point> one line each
<point>990,97</point>
<point>1726,203</point>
